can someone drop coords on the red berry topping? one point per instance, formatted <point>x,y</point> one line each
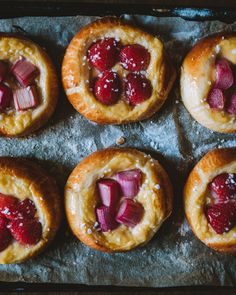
<point>107,88</point>
<point>134,58</point>
<point>26,232</point>
<point>137,88</point>
<point>27,209</point>
<point>104,54</point>
<point>223,187</point>
<point>5,237</point>
<point>216,99</point>
<point>8,206</point>
<point>222,217</point>
<point>3,222</point>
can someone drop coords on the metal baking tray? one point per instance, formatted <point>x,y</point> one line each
<point>196,12</point>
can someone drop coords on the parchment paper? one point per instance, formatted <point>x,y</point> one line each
<point>174,257</point>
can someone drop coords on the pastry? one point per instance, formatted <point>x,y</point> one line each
<point>117,199</point>
<point>30,210</point>
<point>28,86</point>
<point>208,82</point>
<point>210,199</point>
<point>115,73</point>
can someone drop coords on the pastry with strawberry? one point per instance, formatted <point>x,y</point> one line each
<point>115,73</point>
<point>210,199</point>
<point>30,210</point>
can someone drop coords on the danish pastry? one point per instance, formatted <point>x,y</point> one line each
<point>30,210</point>
<point>28,86</point>
<point>117,199</point>
<point>208,82</point>
<point>114,73</point>
<point>210,199</point>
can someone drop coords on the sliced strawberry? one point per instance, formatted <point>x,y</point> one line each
<point>26,232</point>
<point>222,217</point>
<point>5,238</point>
<point>8,206</point>
<point>134,58</point>
<point>104,54</point>
<point>223,187</point>
<point>107,88</point>
<point>27,209</point>
<point>137,88</point>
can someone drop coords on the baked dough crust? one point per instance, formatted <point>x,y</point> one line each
<point>81,198</point>
<point>23,178</point>
<point>76,73</point>
<point>197,77</point>
<point>212,164</point>
<point>13,123</point>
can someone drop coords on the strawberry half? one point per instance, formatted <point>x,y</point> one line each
<point>137,88</point>
<point>107,88</point>
<point>223,187</point>
<point>104,54</point>
<point>222,217</point>
<point>26,232</point>
<point>5,236</point>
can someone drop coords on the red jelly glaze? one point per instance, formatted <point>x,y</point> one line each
<point>137,88</point>
<point>222,216</point>
<point>103,54</point>
<point>107,88</point>
<point>134,58</point>
<point>25,231</point>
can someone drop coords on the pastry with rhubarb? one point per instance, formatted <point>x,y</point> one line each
<point>30,210</point>
<point>115,73</point>
<point>210,200</point>
<point>28,86</point>
<point>117,199</point>
<point>208,82</point>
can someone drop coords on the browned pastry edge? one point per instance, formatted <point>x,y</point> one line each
<point>54,91</point>
<point>210,162</point>
<point>94,160</point>
<point>167,76</point>
<point>44,184</point>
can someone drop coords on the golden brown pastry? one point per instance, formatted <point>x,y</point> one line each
<point>28,86</point>
<point>30,209</point>
<point>210,199</point>
<point>115,73</point>
<point>117,199</point>
<point>208,82</point>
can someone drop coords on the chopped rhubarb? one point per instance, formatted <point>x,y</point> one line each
<point>5,97</point>
<point>231,105</point>
<point>25,98</point>
<point>216,99</point>
<point>3,70</point>
<point>24,71</point>
<point>109,191</point>
<point>130,182</point>
<point>106,218</point>
<point>130,213</point>
<point>224,74</point>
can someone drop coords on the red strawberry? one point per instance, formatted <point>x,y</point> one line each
<point>27,209</point>
<point>8,206</point>
<point>107,88</point>
<point>137,88</point>
<point>223,187</point>
<point>222,217</point>
<point>26,232</point>
<point>104,53</point>
<point>5,237</point>
<point>134,58</point>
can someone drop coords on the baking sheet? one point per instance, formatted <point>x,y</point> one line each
<point>174,257</point>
